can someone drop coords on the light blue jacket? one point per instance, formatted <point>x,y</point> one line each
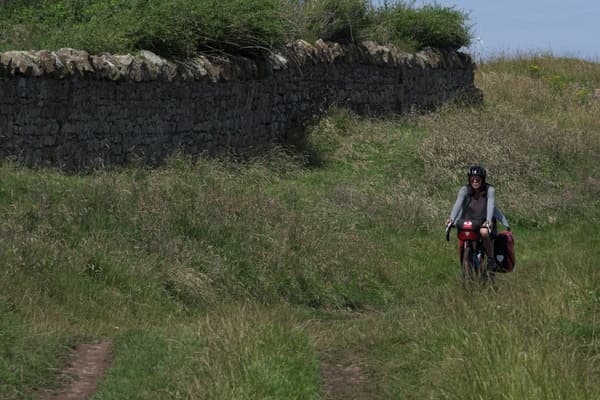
<point>462,205</point>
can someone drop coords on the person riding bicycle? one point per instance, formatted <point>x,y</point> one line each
<point>476,201</point>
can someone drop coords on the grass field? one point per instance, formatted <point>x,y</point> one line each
<point>224,279</point>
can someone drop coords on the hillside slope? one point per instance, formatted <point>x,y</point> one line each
<point>236,279</point>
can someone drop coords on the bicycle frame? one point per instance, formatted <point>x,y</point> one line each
<point>472,253</point>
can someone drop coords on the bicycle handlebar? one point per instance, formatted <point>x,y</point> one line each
<point>448,229</point>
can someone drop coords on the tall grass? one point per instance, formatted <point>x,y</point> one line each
<point>226,279</point>
<point>242,352</point>
<point>182,28</point>
<point>536,337</point>
<point>337,20</point>
<point>430,25</point>
<point>560,91</point>
<point>171,28</point>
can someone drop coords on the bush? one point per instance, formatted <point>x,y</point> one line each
<point>167,27</point>
<point>431,25</point>
<point>337,20</point>
<point>182,28</point>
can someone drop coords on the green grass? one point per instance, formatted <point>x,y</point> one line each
<point>183,28</point>
<point>232,279</point>
<point>430,25</point>
<point>528,340</point>
<point>241,352</point>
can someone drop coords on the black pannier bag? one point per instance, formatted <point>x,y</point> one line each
<point>504,252</point>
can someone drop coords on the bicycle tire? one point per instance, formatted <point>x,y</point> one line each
<point>487,276</point>
<point>467,265</point>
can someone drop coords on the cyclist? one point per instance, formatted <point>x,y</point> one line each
<point>476,201</point>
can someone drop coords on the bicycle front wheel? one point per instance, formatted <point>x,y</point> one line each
<point>468,268</point>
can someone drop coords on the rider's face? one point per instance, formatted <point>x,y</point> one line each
<point>475,182</point>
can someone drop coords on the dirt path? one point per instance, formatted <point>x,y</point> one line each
<point>343,374</point>
<point>345,370</point>
<point>344,377</point>
<point>87,364</point>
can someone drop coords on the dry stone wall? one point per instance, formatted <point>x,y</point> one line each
<point>74,110</point>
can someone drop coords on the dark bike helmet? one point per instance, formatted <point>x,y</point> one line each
<point>477,170</point>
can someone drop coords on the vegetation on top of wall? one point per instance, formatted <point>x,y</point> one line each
<point>336,20</point>
<point>431,25</point>
<point>172,27</point>
<point>182,28</point>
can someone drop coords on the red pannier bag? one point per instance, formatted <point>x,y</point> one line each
<point>504,251</point>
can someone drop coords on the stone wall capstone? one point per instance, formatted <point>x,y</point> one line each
<point>74,110</point>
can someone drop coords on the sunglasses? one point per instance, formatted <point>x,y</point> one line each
<point>475,179</point>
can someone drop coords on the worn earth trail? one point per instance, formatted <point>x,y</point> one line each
<point>86,366</point>
<point>344,377</point>
<point>343,374</point>
<point>344,362</point>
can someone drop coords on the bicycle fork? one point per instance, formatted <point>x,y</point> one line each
<point>472,260</point>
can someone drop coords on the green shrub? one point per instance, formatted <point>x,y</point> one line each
<point>182,28</point>
<point>169,27</point>
<point>431,25</point>
<point>337,20</point>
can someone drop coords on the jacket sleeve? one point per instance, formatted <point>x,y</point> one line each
<point>491,203</point>
<point>500,217</point>
<point>458,204</point>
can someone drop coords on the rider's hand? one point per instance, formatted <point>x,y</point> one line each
<point>448,221</point>
<point>489,226</point>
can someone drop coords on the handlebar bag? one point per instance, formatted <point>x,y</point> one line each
<point>468,230</point>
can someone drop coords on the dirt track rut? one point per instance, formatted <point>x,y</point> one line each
<point>86,366</point>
